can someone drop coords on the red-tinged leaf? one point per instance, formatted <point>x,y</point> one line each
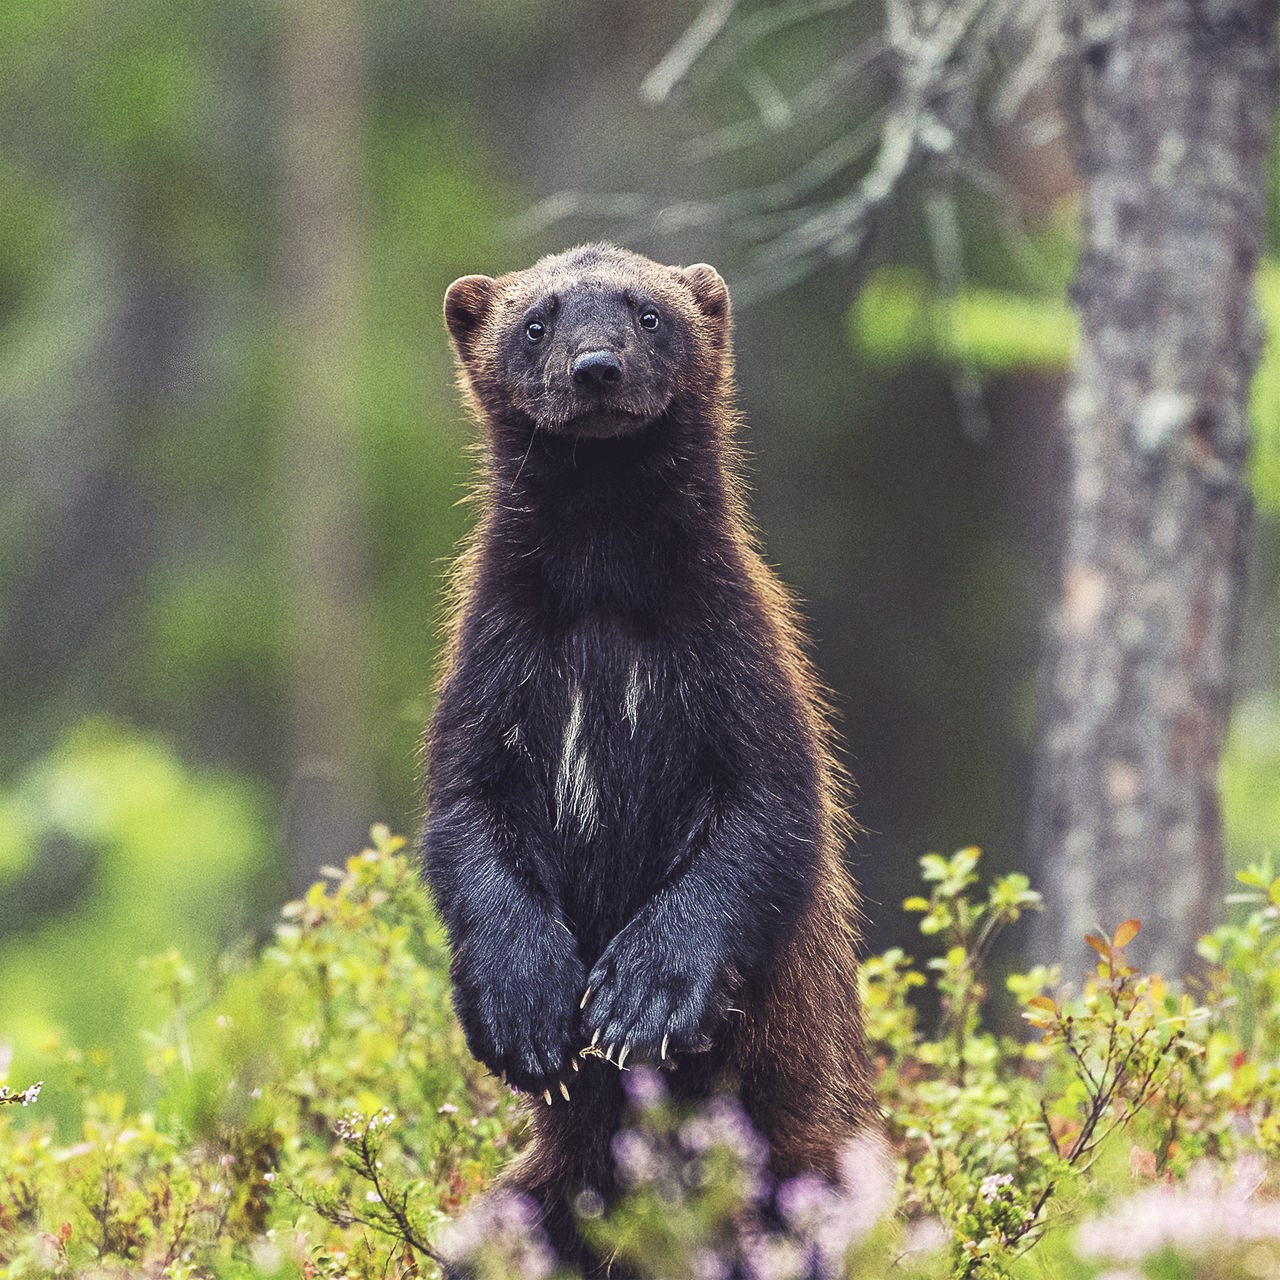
<point>1126,933</point>
<point>1100,945</point>
<point>1042,1002</point>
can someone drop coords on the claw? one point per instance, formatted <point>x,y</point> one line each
<point>546,1093</point>
<point>622,1057</point>
<point>608,1053</point>
<point>595,1039</point>
<point>586,995</point>
<point>564,1092</point>
<point>573,1062</point>
<point>663,1054</point>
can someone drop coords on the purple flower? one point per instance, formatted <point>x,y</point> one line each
<point>501,1232</point>
<point>869,1177</point>
<point>805,1200</point>
<point>723,1123</point>
<point>589,1203</point>
<point>992,1184</point>
<point>771,1257</point>
<point>636,1160</point>
<point>707,1264</point>
<point>644,1087</point>
<point>1211,1210</point>
<point>825,1219</point>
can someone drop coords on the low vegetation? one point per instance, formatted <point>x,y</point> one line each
<point>317,1115</point>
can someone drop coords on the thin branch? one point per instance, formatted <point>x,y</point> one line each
<point>1036,67</point>
<point>814,98</point>
<point>948,261</point>
<point>660,82</point>
<point>571,204</point>
<point>397,1206</point>
<point>941,57</point>
<point>911,132</point>
<point>786,193</point>
<point>764,24</point>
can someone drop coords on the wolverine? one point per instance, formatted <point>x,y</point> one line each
<point>635,828</point>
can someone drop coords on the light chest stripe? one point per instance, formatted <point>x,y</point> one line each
<point>631,699</point>
<point>575,788</point>
<point>576,793</point>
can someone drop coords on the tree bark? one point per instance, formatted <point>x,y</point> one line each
<point>318,485</point>
<point>1174,108</point>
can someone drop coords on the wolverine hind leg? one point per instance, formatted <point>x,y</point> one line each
<point>567,1165</point>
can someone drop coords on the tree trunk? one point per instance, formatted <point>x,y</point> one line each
<point>318,485</point>
<point>1175,106</point>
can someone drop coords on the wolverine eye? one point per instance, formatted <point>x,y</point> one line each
<point>649,319</point>
<point>534,330</point>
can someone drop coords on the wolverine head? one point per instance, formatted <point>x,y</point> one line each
<point>595,342</point>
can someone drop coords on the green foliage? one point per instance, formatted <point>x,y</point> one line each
<point>900,318</point>
<point>109,850</point>
<point>1250,767</point>
<point>141,309</point>
<point>243,1163</point>
<point>1242,1046</point>
<point>1004,1139</point>
<point>319,1117</point>
<point>1264,400</point>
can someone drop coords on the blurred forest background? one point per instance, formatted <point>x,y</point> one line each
<point>232,451</point>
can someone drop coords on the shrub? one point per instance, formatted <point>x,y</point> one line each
<point>318,1116</point>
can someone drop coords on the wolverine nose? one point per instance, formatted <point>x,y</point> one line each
<point>596,370</point>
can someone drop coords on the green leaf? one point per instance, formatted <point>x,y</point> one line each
<point>898,318</point>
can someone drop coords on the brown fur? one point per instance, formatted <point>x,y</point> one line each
<point>561,587</point>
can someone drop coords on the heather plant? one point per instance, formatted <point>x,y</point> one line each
<point>22,1097</point>
<point>318,1116</point>
<point>238,1152</point>
<point>1003,1138</point>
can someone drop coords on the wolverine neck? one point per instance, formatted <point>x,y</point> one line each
<point>617,523</point>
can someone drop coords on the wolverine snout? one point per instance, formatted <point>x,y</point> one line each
<point>596,370</point>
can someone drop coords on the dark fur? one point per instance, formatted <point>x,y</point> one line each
<point>630,787</point>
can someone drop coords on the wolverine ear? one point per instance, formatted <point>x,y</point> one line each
<point>710,293</point>
<point>466,303</point>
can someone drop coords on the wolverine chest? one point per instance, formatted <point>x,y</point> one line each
<point>589,736</point>
<point>604,735</point>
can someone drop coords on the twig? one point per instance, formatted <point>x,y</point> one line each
<point>948,260</point>
<point>941,55</point>
<point>815,96</point>
<point>660,82</point>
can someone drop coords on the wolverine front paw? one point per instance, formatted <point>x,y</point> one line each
<point>650,998</point>
<point>520,1017</point>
